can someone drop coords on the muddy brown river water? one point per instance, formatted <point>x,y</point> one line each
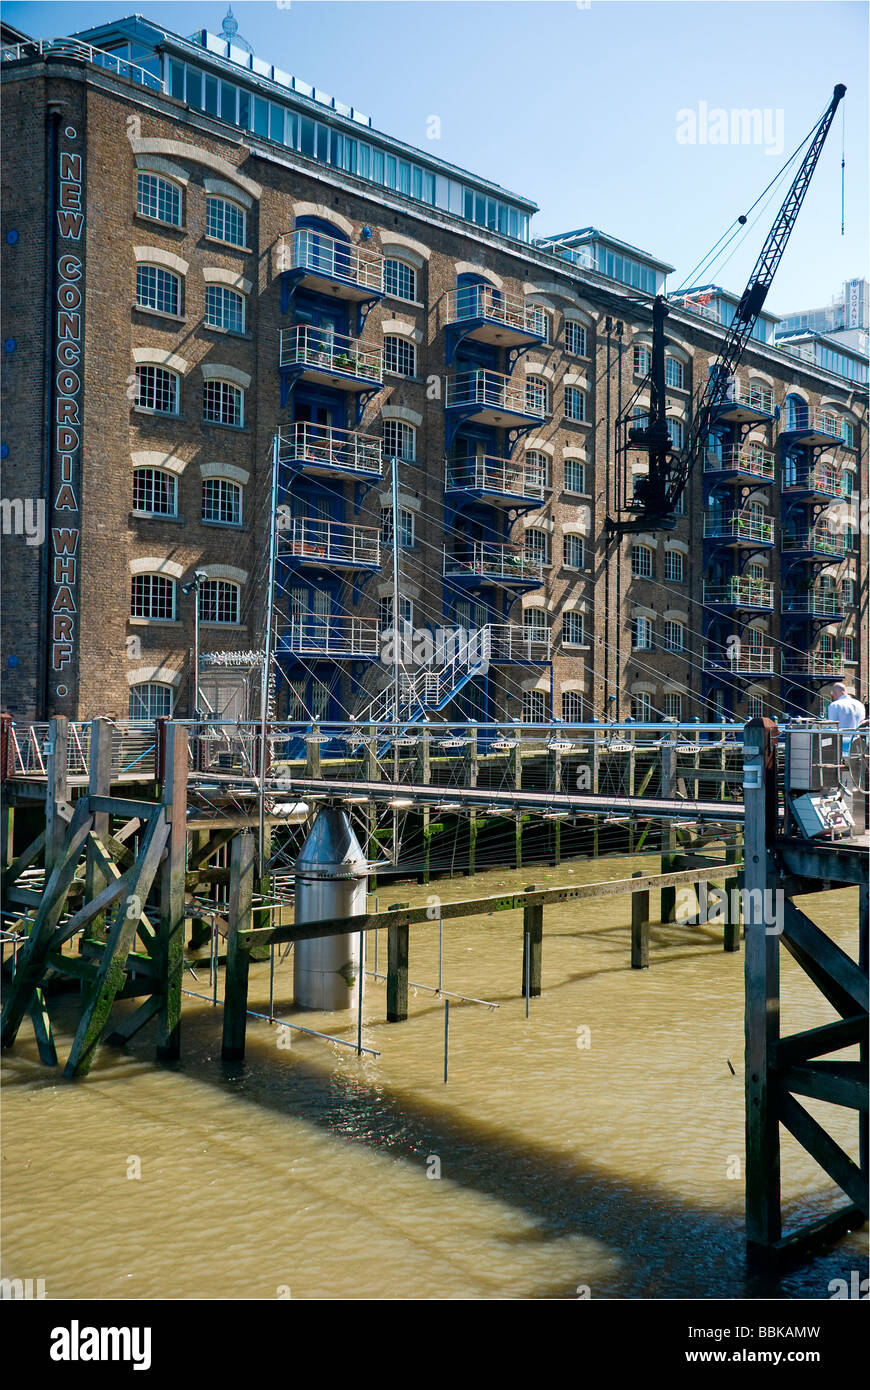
<point>595,1146</point>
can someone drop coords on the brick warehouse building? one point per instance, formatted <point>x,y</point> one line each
<point>200,250</point>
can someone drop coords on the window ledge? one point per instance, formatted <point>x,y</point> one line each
<point>181,228</point>
<point>160,314</point>
<point>233,627</point>
<point>158,414</point>
<point>569,421</point>
<point>409,303</point>
<point>219,425</point>
<point>227,332</point>
<point>156,516</point>
<point>225,525</point>
<point>228,245</point>
<point>158,622</point>
<point>571,493</point>
<point>577,646</point>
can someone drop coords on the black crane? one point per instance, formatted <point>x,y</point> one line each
<point>653,506</point>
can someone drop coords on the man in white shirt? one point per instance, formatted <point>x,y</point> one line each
<point>847,712</point>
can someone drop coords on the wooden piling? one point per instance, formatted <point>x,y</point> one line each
<point>398,939</point>
<point>56,789</point>
<point>99,784</point>
<point>239,920</point>
<point>668,831</point>
<point>731,932</point>
<point>168,946</point>
<point>533,944</point>
<point>639,928</point>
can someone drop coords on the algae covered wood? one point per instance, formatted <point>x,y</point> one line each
<point>242,867</point>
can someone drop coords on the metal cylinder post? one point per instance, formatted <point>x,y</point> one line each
<point>331,883</point>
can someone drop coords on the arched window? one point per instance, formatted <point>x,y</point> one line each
<point>796,413</point>
<point>537,546</point>
<point>674,636</point>
<point>540,320</point>
<point>158,289</point>
<point>158,199</point>
<point>224,308</point>
<point>400,279</point>
<point>537,396</point>
<point>573,552</point>
<point>575,403</point>
<point>536,625</point>
<point>155,492</point>
<point>641,562</point>
<point>400,355</point>
<point>538,468</point>
<point>157,390</point>
<point>221,501</point>
<point>400,440</point>
<point>219,602</point>
<point>225,221</point>
<point>149,701</point>
<point>575,338</point>
<point>675,373</point>
<point>676,432</point>
<point>223,403</point>
<point>153,596</point>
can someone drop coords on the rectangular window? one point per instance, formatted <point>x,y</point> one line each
<point>157,390</point>
<point>642,708</point>
<point>400,355</point>
<point>572,629</point>
<point>176,80</point>
<point>575,403</point>
<point>306,136</point>
<point>674,636</point>
<point>675,571</point>
<point>244,109</point>
<point>849,649</point>
<point>575,475</point>
<point>158,289</point>
<point>391,171</point>
<point>224,308</point>
<point>572,552</point>
<point>276,123</point>
<point>153,596</point>
<point>406,527</point>
<point>261,116</point>
<point>575,338</point>
<point>755,706</point>
<point>225,221</point>
<point>194,88</point>
<point>228,102</point>
<point>211,95</point>
<point>641,634</point>
<point>673,706</point>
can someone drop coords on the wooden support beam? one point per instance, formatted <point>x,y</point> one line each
<point>533,946</point>
<point>42,1029</point>
<point>31,961</point>
<point>110,894</point>
<point>827,1153</point>
<point>24,860</point>
<point>128,1027</point>
<point>123,806</point>
<point>112,967</point>
<point>168,945</point>
<point>398,938</point>
<point>208,846</point>
<point>640,929</point>
<point>835,975</point>
<point>670,858</point>
<point>816,1042</point>
<point>242,866</point>
<point>839,1083</point>
<point>731,930</point>
<point>56,789</point>
<point>763,1184</point>
<point>97,872</point>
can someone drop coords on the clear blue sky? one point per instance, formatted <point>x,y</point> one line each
<point>577,108</point>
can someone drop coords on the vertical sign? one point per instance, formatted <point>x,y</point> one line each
<point>67,418</point>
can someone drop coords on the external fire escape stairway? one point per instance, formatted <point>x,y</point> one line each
<point>430,689</point>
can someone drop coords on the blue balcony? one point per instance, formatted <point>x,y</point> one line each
<point>329,359</point>
<point>812,427</point>
<point>739,530</point>
<point>744,661</point>
<point>337,636</point>
<point>746,402</point>
<point>336,268</point>
<point>498,481</point>
<point>323,451</point>
<point>332,545</point>
<point>825,604</point>
<point>800,479</point>
<point>817,543</point>
<point>740,592</point>
<point>488,315</point>
<point>477,563</point>
<point>736,462</point>
<point>817,666</point>
<point>492,398</point>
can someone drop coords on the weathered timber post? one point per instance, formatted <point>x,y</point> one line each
<point>558,788</point>
<point>239,919</point>
<point>7,813</point>
<point>56,789</point>
<point>372,770</point>
<point>731,933</point>
<point>426,779</point>
<point>595,778</point>
<point>99,784</point>
<point>763,1211</point>
<point>398,938</point>
<point>668,832</point>
<point>313,761</point>
<point>169,943</point>
<point>632,771</point>
<point>473,771</point>
<point>533,944</point>
<point>639,927</point>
